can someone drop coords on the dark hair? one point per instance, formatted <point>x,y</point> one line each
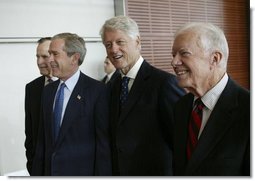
<point>41,40</point>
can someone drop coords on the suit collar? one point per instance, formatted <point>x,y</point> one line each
<point>132,73</point>
<point>211,97</point>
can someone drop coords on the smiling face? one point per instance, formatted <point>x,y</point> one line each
<point>122,50</point>
<point>108,66</point>
<point>63,66</point>
<point>192,64</point>
<point>43,56</point>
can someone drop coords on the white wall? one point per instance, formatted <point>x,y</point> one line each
<point>22,23</point>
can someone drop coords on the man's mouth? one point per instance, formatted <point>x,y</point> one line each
<point>116,57</point>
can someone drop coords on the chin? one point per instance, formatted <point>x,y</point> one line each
<point>183,83</point>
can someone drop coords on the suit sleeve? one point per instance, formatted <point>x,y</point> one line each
<point>38,163</point>
<point>28,130</point>
<point>103,165</point>
<point>170,93</point>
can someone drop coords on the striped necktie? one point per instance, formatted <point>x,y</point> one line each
<point>194,126</point>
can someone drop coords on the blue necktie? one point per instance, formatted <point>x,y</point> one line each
<point>58,110</point>
<point>124,90</point>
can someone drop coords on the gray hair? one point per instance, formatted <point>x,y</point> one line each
<point>73,44</point>
<point>211,37</point>
<point>123,23</point>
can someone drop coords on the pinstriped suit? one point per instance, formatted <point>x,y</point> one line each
<point>83,144</point>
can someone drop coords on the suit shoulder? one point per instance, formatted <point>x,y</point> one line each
<point>91,81</point>
<point>243,93</point>
<point>161,73</point>
<point>36,81</point>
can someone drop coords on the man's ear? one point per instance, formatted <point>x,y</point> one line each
<point>216,58</point>
<point>138,41</point>
<point>75,58</point>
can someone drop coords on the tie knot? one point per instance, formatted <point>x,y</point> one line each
<point>199,104</point>
<point>125,79</point>
<point>50,80</point>
<point>62,85</point>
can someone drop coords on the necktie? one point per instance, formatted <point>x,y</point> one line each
<point>105,79</point>
<point>50,80</point>
<point>124,90</point>
<point>194,126</point>
<point>58,110</point>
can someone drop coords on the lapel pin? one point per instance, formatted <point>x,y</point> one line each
<point>79,97</point>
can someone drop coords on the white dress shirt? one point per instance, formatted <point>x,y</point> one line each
<point>133,72</point>
<point>70,84</point>
<point>210,99</point>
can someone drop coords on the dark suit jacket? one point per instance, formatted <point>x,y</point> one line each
<point>83,144</point>
<point>224,145</point>
<point>33,93</point>
<point>142,130</point>
<point>113,77</point>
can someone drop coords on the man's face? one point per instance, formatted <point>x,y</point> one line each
<point>191,62</point>
<point>108,66</point>
<point>62,65</point>
<point>43,56</point>
<point>122,50</point>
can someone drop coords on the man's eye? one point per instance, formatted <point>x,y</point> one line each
<point>185,53</point>
<point>45,56</point>
<point>121,42</point>
<point>108,45</point>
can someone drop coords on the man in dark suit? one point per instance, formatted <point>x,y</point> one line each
<point>77,142</point>
<point>142,122</point>
<point>110,70</point>
<point>218,142</point>
<point>33,93</point>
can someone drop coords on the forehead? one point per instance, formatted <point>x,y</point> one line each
<point>111,34</point>
<point>185,40</point>
<point>57,44</point>
<point>44,45</point>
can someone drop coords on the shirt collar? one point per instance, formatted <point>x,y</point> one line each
<point>47,78</point>
<point>71,82</point>
<point>212,96</point>
<point>110,74</point>
<point>134,70</point>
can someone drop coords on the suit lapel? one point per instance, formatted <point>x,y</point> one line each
<point>219,122</point>
<point>137,89</point>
